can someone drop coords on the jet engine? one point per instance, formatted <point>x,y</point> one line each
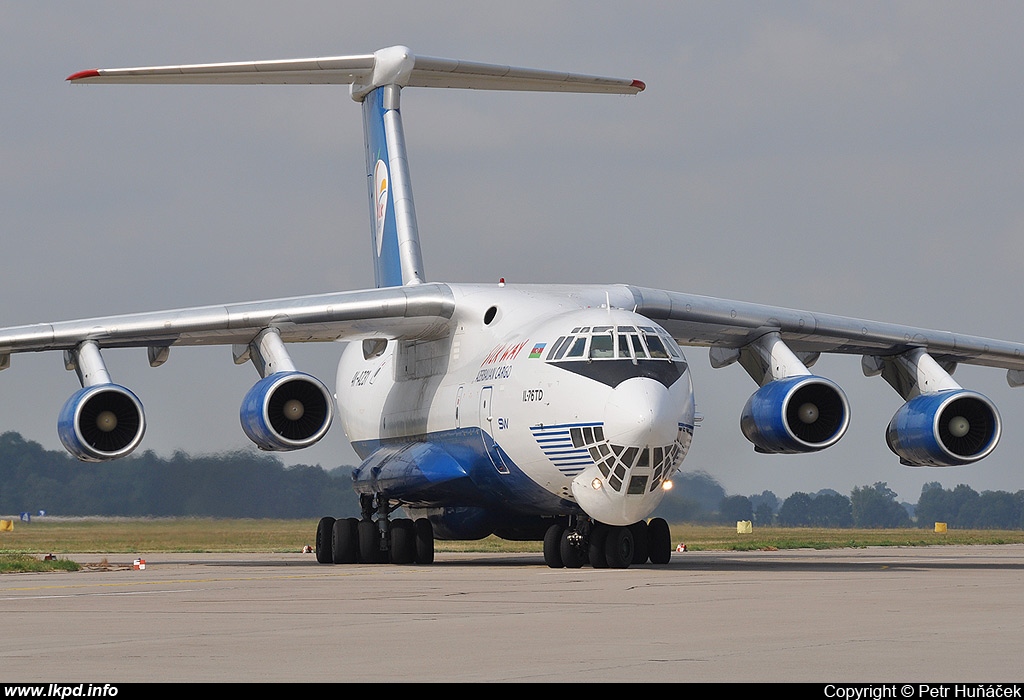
<point>803,413</point>
<point>101,422</point>
<point>944,429</point>
<point>287,411</point>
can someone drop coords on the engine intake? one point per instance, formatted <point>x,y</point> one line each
<point>101,422</point>
<point>797,414</point>
<point>286,411</point>
<point>944,429</point>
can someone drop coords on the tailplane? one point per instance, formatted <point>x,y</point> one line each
<point>376,80</point>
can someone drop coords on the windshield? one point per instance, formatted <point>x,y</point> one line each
<point>615,343</point>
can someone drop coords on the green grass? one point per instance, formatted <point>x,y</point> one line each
<point>145,535</point>
<point>10,563</point>
<point>133,535</point>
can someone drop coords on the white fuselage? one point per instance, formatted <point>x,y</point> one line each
<point>600,428</point>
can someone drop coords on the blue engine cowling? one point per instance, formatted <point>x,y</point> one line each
<point>944,429</point>
<point>287,411</point>
<point>797,414</point>
<point>101,422</point>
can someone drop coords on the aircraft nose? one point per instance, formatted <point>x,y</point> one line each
<point>639,412</point>
<point>642,445</point>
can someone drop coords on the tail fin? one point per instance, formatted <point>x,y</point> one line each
<point>376,80</point>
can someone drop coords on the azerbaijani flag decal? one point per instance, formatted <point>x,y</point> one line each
<point>537,350</point>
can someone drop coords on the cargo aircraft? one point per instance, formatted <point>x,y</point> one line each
<point>535,412</point>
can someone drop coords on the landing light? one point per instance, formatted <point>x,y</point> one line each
<point>666,485</point>
<point>596,484</point>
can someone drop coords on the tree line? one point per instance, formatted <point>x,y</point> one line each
<point>874,506</point>
<point>248,485</point>
<point>232,485</point>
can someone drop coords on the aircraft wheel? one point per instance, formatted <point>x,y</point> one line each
<point>573,556</point>
<point>324,536</point>
<point>345,541</point>
<point>595,550</point>
<point>618,547</point>
<point>553,546</point>
<point>403,541</point>
<point>659,541</point>
<point>369,542</point>
<point>424,532</point>
<point>641,548</point>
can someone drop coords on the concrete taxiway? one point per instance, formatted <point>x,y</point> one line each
<point>932,614</point>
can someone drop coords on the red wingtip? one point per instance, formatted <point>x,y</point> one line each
<point>639,85</point>
<point>84,74</point>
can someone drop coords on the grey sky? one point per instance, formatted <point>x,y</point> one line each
<point>855,158</point>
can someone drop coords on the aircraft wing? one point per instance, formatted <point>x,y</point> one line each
<point>287,409</point>
<point>727,326</point>
<point>396,312</point>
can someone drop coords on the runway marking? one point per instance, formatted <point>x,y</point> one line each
<point>97,594</point>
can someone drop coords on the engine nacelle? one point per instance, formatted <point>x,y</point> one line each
<point>101,422</point>
<point>287,411</point>
<point>944,429</point>
<point>797,414</point>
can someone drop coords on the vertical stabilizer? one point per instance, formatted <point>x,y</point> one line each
<point>396,243</point>
<point>376,80</point>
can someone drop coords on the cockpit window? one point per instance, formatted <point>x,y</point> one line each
<point>672,345</point>
<point>560,345</point>
<point>632,343</point>
<point>656,347</point>
<point>601,348</point>
<point>578,348</point>
<point>624,352</point>
<point>638,347</point>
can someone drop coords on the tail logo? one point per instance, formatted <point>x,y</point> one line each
<point>380,187</point>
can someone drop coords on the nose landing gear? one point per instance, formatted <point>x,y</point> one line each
<point>582,540</point>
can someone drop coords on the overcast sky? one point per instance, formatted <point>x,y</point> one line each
<point>859,158</point>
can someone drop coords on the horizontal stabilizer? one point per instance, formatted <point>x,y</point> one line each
<point>391,66</point>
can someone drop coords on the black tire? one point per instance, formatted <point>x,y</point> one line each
<point>659,541</point>
<point>345,541</point>
<point>324,538</point>
<point>424,533</point>
<point>595,548</point>
<point>403,541</point>
<point>573,557</point>
<point>641,547</point>
<point>369,542</point>
<point>553,546</point>
<point>618,547</point>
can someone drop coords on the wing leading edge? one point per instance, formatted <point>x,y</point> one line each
<point>286,410</point>
<point>939,424</point>
<point>399,312</point>
<point>731,325</point>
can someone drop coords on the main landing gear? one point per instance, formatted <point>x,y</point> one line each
<point>582,541</point>
<point>368,541</point>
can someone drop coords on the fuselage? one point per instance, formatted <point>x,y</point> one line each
<point>540,401</point>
